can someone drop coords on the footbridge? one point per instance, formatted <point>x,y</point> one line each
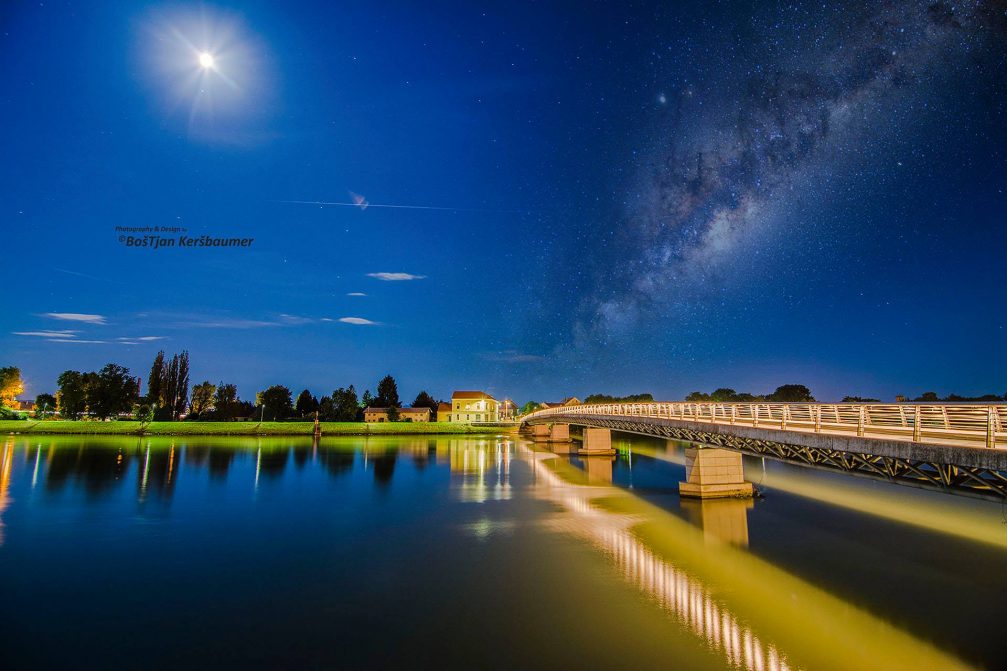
<point>959,448</point>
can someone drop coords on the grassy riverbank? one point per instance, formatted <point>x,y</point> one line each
<point>243,428</point>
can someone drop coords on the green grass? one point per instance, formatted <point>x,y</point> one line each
<point>242,428</point>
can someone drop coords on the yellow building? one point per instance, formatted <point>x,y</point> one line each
<point>374,415</point>
<point>443,412</point>
<point>472,406</point>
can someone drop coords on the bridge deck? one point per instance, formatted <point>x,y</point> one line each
<point>961,448</point>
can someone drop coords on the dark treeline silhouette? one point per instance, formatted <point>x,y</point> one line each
<point>107,393</point>
<point>932,397</point>
<point>632,398</point>
<point>787,393</point>
<point>113,392</point>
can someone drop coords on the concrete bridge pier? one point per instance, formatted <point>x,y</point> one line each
<point>560,433</point>
<point>712,473</point>
<point>540,433</point>
<point>559,439</point>
<point>596,442</point>
<point>557,435</point>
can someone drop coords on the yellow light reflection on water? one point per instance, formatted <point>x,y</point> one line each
<point>756,615</point>
<point>952,515</point>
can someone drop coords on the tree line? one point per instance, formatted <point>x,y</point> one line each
<point>114,392</point>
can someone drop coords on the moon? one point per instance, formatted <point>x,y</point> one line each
<point>206,60</point>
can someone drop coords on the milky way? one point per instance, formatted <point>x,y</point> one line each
<point>708,187</point>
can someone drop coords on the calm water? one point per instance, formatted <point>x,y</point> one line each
<point>476,553</point>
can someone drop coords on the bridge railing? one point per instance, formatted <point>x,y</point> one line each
<point>954,424</point>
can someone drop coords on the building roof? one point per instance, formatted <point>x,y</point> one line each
<point>509,403</point>
<point>570,400</point>
<point>443,407</point>
<point>472,394</point>
<point>401,410</point>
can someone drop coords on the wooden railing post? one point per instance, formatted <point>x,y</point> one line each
<point>783,420</point>
<point>917,424</point>
<point>991,427</point>
<point>755,415</point>
<point>860,421</point>
<point>734,413</point>
<point>818,419</point>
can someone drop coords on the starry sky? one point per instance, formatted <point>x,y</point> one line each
<point>535,199</point>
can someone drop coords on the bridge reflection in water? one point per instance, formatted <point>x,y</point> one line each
<point>757,616</point>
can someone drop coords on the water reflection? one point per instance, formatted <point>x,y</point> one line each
<point>751,613</point>
<point>756,615</point>
<point>724,520</point>
<point>6,466</point>
<point>483,467</point>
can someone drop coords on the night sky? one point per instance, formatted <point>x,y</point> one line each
<point>623,197</point>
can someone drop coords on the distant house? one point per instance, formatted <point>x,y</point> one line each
<point>472,406</point>
<point>443,412</point>
<point>375,415</point>
<point>569,400</point>
<point>25,406</point>
<point>508,410</point>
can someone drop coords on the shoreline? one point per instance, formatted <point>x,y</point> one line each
<point>134,428</point>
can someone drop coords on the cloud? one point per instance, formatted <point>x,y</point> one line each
<point>296,320</point>
<point>356,293</point>
<point>358,321</point>
<point>395,277</point>
<point>79,342</point>
<point>48,334</point>
<point>140,339</point>
<point>76,317</point>
<point>228,323</point>
<point>513,356</point>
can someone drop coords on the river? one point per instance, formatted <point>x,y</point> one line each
<point>477,552</point>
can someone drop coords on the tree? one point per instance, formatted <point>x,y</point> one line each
<point>225,401</point>
<point>71,396</point>
<point>112,391</point>
<point>144,413</point>
<point>393,413</point>
<point>791,393</point>
<point>859,399</point>
<point>168,385</point>
<point>697,397</point>
<point>528,407</point>
<point>723,395</point>
<point>44,403</point>
<point>155,381</point>
<point>306,403</point>
<point>632,398</point>
<point>11,385</point>
<point>345,406</point>
<point>388,393</point>
<point>928,397</point>
<point>274,403</point>
<point>326,410</point>
<point>366,401</point>
<point>425,400</point>
<point>202,398</point>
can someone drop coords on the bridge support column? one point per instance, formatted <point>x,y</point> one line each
<point>560,433</point>
<point>540,433</point>
<point>712,473</point>
<point>597,442</point>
